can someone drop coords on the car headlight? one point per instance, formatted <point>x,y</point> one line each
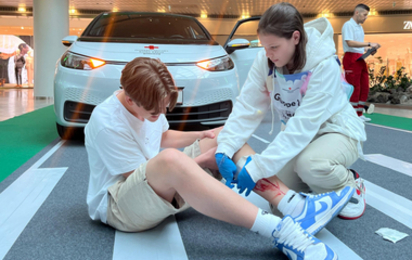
<point>218,64</point>
<point>75,61</point>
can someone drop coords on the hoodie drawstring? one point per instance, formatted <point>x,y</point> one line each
<point>271,100</point>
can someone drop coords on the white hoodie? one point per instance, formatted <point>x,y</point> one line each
<point>324,108</point>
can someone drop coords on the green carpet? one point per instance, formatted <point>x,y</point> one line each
<point>391,121</point>
<point>23,137</point>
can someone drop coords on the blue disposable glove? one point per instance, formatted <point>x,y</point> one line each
<point>244,181</point>
<point>227,168</point>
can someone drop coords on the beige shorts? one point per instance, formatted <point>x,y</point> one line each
<point>133,206</point>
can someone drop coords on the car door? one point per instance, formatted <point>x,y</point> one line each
<point>245,29</point>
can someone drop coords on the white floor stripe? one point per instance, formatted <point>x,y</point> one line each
<point>338,246</point>
<point>21,200</point>
<point>47,155</point>
<point>387,127</point>
<point>165,242</point>
<point>343,251</point>
<point>261,139</point>
<point>390,163</point>
<point>397,207</point>
<point>162,242</point>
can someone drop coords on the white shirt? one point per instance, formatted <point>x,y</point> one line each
<point>116,142</point>
<point>352,31</point>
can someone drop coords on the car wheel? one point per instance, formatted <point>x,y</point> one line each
<point>70,133</point>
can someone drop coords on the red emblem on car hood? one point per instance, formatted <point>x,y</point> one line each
<point>151,47</point>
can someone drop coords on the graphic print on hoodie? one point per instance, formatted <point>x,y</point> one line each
<point>288,91</point>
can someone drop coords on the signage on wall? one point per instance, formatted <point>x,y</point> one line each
<point>407,25</point>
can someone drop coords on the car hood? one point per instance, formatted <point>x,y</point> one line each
<point>168,53</point>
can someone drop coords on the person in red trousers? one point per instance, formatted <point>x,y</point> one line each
<point>356,71</point>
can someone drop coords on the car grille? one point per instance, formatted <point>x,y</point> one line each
<point>211,112</point>
<point>77,112</point>
<point>80,113</point>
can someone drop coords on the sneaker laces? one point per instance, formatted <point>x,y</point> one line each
<point>359,185</point>
<point>358,181</point>
<point>291,234</point>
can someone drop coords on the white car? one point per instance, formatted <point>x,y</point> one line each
<point>208,79</point>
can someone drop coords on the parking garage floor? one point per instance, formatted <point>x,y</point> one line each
<point>44,213</point>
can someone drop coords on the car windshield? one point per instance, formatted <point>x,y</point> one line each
<point>146,26</point>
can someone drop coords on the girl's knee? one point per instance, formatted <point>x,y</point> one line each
<point>322,174</point>
<point>312,170</point>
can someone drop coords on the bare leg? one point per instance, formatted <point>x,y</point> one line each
<point>208,149</point>
<point>272,189</point>
<point>172,171</point>
<point>16,73</point>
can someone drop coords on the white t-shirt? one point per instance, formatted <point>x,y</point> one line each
<point>116,142</point>
<point>351,31</point>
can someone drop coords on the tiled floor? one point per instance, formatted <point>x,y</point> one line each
<point>15,102</point>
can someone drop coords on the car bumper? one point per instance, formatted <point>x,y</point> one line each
<point>208,97</point>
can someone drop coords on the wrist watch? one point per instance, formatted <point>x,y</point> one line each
<point>369,44</point>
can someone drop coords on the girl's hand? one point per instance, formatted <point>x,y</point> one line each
<point>227,168</point>
<point>244,181</point>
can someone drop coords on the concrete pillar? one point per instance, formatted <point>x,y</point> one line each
<point>51,25</point>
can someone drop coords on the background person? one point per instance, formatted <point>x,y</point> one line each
<point>356,72</point>
<point>19,62</point>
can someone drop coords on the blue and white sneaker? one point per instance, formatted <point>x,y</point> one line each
<point>320,209</point>
<point>297,244</point>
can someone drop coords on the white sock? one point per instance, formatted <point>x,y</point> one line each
<point>265,223</point>
<point>292,204</point>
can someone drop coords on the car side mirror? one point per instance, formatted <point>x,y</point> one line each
<point>68,40</point>
<point>237,44</point>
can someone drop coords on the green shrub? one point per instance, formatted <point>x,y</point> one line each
<point>380,83</point>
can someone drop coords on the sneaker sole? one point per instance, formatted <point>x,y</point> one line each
<point>364,208</point>
<point>352,218</point>
<point>315,228</point>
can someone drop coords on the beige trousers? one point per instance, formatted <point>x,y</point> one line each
<point>322,166</point>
